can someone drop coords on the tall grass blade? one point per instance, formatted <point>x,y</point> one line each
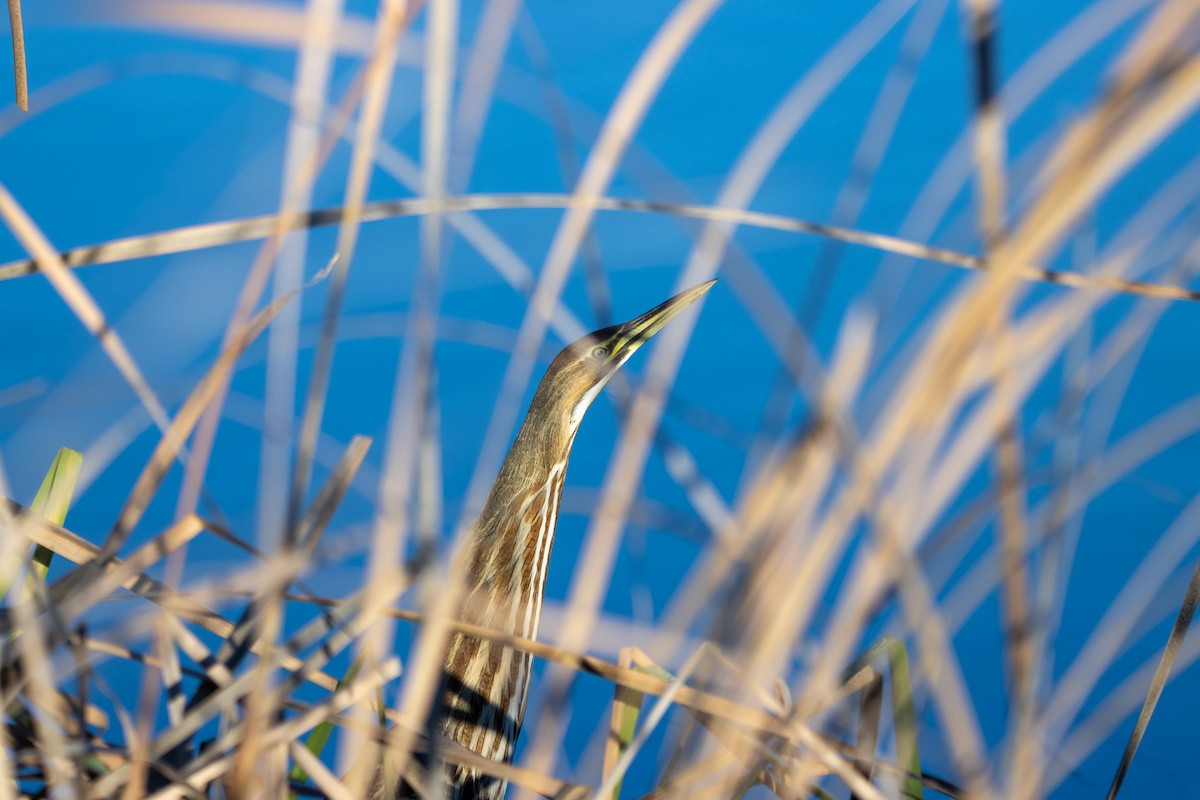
<point>626,707</point>
<point>317,739</point>
<point>51,503</point>
<point>908,755</point>
<point>1182,622</point>
<point>215,234</point>
<point>20,78</point>
<point>53,499</point>
<point>870,709</point>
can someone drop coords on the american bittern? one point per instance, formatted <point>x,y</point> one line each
<point>486,684</point>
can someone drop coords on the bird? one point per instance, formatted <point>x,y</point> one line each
<point>485,685</point>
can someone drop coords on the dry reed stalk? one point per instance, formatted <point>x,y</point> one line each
<point>307,96</point>
<point>884,489</point>
<point>20,76</point>
<point>196,237</point>
<point>80,301</point>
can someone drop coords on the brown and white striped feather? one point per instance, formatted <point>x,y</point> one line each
<point>488,684</point>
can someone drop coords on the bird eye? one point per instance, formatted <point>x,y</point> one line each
<point>599,352</point>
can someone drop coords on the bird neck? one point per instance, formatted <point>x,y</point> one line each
<point>514,533</point>
<point>486,684</point>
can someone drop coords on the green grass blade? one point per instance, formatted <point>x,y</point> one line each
<point>628,728</point>
<point>319,736</point>
<point>627,709</point>
<point>51,503</point>
<point>53,499</point>
<point>907,753</point>
<point>870,711</point>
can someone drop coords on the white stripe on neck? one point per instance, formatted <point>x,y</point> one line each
<point>582,406</point>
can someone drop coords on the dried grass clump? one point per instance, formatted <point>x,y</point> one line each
<point>811,648</point>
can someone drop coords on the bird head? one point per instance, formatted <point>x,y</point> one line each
<point>581,370</point>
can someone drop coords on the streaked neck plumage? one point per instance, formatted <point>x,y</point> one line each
<point>487,684</point>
